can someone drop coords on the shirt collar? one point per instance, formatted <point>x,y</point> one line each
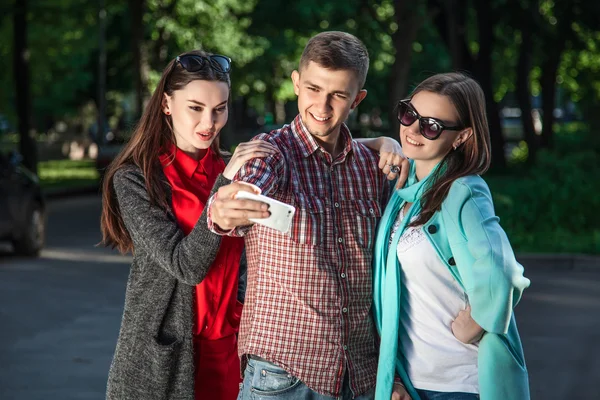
<point>308,144</point>
<point>189,166</point>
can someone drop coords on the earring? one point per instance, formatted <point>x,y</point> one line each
<point>168,112</point>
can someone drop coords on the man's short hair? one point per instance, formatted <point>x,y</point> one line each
<point>337,51</point>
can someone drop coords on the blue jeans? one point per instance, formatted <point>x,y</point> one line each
<point>266,381</point>
<point>431,395</point>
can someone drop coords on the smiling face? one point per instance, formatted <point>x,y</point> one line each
<point>425,151</point>
<point>198,113</point>
<point>325,98</point>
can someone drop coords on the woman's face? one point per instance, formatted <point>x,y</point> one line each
<point>198,112</point>
<point>417,147</point>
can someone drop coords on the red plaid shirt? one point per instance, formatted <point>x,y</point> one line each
<point>309,294</point>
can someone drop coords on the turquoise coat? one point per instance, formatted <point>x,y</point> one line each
<point>467,237</point>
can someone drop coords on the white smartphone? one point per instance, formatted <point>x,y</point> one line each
<point>281,213</point>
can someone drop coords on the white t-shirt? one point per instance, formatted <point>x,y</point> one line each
<point>431,300</point>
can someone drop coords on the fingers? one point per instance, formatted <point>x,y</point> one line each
<point>229,212</point>
<point>245,152</point>
<point>391,164</point>
<point>255,146</point>
<point>232,215</point>
<point>229,191</point>
<point>253,149</point>
<point>403,176</point>
<point>383,161</point>
<point>399,392</point>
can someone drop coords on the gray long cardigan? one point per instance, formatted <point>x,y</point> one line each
<point>153,359</point>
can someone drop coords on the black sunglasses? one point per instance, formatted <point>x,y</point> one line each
<point>430,128</point>
<point>194,62</point>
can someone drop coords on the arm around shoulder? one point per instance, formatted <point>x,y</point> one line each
<point>155,232</point>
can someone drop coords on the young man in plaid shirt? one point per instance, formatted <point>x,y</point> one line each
<point>307,329</point>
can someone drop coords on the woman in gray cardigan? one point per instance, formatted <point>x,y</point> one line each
<point>177,338</point>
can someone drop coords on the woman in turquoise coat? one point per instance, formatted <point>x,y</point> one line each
<point>445,276</point>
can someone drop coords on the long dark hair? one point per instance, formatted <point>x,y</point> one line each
<point>473,157</point>
<point>151,136</point>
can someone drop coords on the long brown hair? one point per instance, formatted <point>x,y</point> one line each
<point>150,137</point>
<point>472,157</point>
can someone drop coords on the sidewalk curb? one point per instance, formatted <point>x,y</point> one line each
<point>54,194</point>
<point>558,261</point>
<point>561,261</point>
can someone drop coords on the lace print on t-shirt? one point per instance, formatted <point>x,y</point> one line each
<point>411,236</point>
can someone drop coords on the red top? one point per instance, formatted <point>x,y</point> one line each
<point>217,309</point>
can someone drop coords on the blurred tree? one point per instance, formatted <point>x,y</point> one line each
<point>527,19</point>
<point>558,15</point>
<point>401,23</point>
<point>451,20</point>
<point>388,28</point>
<point>579,74</point>
<point>138,51</point>
<point>21,56</point>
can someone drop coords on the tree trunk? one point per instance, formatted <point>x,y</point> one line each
<point>523,93</point>
<point>449,18</point>
<point>161,48</point>
<point>136,8</point>
<point>408,26</point>
<point>455,16</point>
<point>101,102</point>
<point>548,86</point>
<point>483,72</point>
<point>27,144</point>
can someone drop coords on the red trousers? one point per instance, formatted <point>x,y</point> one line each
<point>218,374</point>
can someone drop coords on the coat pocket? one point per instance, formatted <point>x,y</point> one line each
<point>153,376</point>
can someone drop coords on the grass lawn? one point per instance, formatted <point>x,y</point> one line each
<point>64,174</point>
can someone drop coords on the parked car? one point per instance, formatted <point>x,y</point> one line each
<point>22,206</point>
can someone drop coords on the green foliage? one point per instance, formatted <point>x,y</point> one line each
<point>61,174</point>
<point>553,207</point>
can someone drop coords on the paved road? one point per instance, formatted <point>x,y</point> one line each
<point>60,314</point>
<point>59,318</point>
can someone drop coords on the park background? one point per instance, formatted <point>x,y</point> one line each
<point>68,67</point>
<point>72,66</point>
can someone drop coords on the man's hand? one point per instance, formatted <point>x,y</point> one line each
<point>228,213</point>
<point>392,161</point>
<point>465,328</point>
<point>399,392</point>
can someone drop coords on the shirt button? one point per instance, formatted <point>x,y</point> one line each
<point>343,275</point>
<point>337,205</point>
<point>345,347</point>
<point>344,310</point>
<point>371,211</point>
<point>340,240</point>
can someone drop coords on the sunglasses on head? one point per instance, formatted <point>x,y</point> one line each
<point>194,62</point>
<point>430,128</point>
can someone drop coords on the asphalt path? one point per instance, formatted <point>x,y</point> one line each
<point>60,315</point>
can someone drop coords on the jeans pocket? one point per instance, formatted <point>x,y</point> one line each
<point>270,380</point>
